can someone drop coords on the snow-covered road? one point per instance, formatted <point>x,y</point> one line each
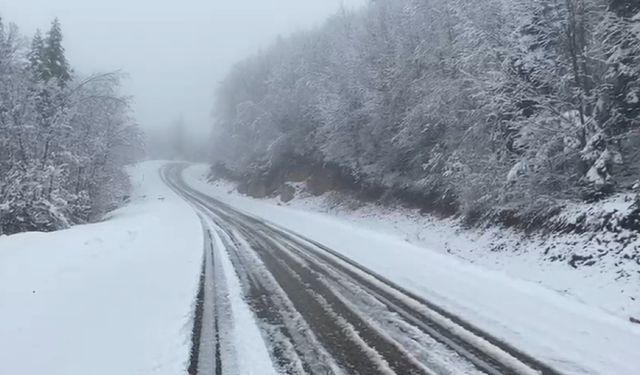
<point>569,335</point>
<point>320,312</point>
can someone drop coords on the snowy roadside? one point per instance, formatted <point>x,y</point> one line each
<point>525,305</point>
<point>114,297</point>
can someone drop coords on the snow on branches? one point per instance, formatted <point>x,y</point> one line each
<point>498,103</point>
<point>64,139</point>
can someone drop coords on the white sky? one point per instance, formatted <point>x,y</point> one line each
<point>175,52</point>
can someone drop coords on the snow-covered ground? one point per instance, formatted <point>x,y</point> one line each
<point>117,297</point>
<point>576,320</point>
<point>114,297</point>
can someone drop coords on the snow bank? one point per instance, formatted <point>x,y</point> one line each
<point>577,337</point>
<point>109,298</point>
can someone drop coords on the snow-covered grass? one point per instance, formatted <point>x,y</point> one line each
<point>114,297</point>
<point>576,319</point>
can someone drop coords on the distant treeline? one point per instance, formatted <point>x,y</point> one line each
<point>493,109</point>
<point>64,139</point>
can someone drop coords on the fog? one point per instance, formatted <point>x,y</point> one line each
<point>174,52</point>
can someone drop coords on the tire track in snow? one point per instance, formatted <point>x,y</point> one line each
<point>206,356</point>
<point>196,334</point>
<point>212,353</point>
<point>294,346</point>
<point>329,332</point>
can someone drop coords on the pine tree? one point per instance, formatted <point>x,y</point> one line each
<point>54,57</point>
<point>36,56</point>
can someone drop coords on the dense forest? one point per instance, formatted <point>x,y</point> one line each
<point>64,138</point>
<point>489,109</point>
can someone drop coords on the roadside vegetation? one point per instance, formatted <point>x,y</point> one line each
<point>64,137</point>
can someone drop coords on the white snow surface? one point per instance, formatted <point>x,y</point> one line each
<point>573,319</point>
<point>114,297</point>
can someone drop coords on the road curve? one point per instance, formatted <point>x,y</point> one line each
<point>321,313</point>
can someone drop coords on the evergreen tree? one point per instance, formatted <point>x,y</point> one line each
<point>36,56</point>
<point>54,57</point>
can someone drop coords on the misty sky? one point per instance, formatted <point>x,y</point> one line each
<point>174,51</point>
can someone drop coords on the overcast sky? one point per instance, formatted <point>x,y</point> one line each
<point>175,52</point>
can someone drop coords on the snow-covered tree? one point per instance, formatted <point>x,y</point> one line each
<point>55,61</point>
<point>474,107</point>
<point>63,140</point>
